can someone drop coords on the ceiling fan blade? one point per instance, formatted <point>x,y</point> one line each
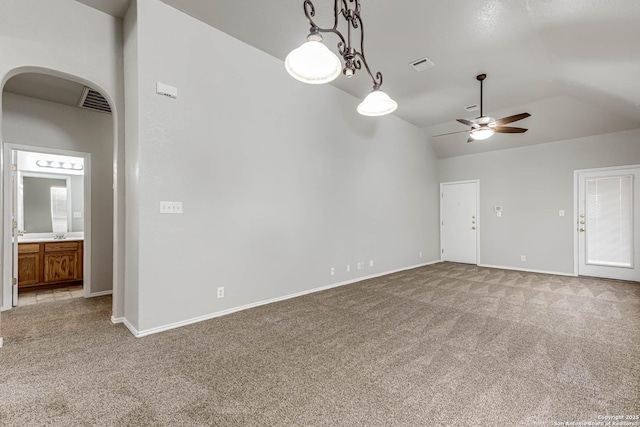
<point>451,133</point>
<point>470,140</point>
<point>506,129</point>
<point>466,122</point>
<point>512,119</point>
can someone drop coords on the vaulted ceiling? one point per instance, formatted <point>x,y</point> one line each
<point>574,65</point>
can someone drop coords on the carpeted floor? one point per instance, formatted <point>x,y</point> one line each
<point>443,345</point>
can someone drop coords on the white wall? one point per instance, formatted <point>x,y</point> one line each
<point>532,184</point>
<point>280,181</point>
<point>29,121</point>
<point>71,40</point>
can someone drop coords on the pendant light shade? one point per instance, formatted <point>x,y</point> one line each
<point>313,63</point>
<point>377,103</point>
<point>482,133</point>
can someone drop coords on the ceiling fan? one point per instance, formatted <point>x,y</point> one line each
<point>483,127</point>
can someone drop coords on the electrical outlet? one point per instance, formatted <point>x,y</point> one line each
<point>221,292</point>
<point>370,263</point>
<point>333,271</point>
<point>561,212</point>
<point>420,254</point>
<point>348,268</point>
<point>171,207</point>
<point>360,265</point>
<point>523,258</point>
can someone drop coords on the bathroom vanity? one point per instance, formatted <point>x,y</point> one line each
<point>49,262</point>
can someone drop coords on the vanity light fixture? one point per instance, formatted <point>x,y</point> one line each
<point>59,165</point>
<point>314,63</point>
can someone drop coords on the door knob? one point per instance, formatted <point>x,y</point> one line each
<point>581,222</point>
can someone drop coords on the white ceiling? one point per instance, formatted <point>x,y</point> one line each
<point>115,8</point>
<point>46,87</point>
<point>573,65</point>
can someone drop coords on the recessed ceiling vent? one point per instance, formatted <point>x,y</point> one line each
<point>472,107</point>
<point>92,100</point>
<point>422,64</point>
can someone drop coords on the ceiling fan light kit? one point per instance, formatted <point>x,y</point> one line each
<point>484,127</point>
<point>314,63</point>
<point>482,133</point>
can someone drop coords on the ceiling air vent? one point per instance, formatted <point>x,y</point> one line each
<point>92,100</point>
<point>422,64</point>
<point>471,108</point>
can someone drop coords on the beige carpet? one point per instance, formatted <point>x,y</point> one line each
<point>444,345</point>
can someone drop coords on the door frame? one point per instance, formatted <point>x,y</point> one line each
<point>471,181</point>
<point>576,208</point>
<point>6,223</point>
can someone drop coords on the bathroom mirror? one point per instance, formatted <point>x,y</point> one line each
<point>49,203</point>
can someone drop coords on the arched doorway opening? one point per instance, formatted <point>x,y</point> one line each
<point>55,115</point>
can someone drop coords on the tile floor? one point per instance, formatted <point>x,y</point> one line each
<point>39,297</point>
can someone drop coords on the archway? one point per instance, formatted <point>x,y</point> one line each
<point>102,162</point>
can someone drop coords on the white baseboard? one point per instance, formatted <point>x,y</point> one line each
<point>528,270</point>
<point>209,316</point>
<point>125,322</point>
<point>99,294</point>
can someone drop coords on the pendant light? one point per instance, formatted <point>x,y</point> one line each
<point>314,63</point>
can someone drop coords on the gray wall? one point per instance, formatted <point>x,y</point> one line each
<point>37,203</point>
<point>130,49</point>
<point>280,181</point>
<point>33,122</point>
<point>77,202</point>
<point>532,184</point>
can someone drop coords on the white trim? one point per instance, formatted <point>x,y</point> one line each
<point>576,208</point>
<point>1,342</point>
<point>140,334</point>
<point>477,182</point>
<point>99,294</point>
<point>528,270</point>
<point>125,322</point>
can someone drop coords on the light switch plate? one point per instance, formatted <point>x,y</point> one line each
<point>171,207</point>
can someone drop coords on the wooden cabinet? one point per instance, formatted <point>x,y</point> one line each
<point>28,264</point>
<point>48,263</point>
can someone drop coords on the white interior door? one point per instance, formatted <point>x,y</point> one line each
<point>608,223</point>
<point>459,222</point>
<point>14,228</point>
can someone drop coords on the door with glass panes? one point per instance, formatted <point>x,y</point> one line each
<point>608,223</point>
